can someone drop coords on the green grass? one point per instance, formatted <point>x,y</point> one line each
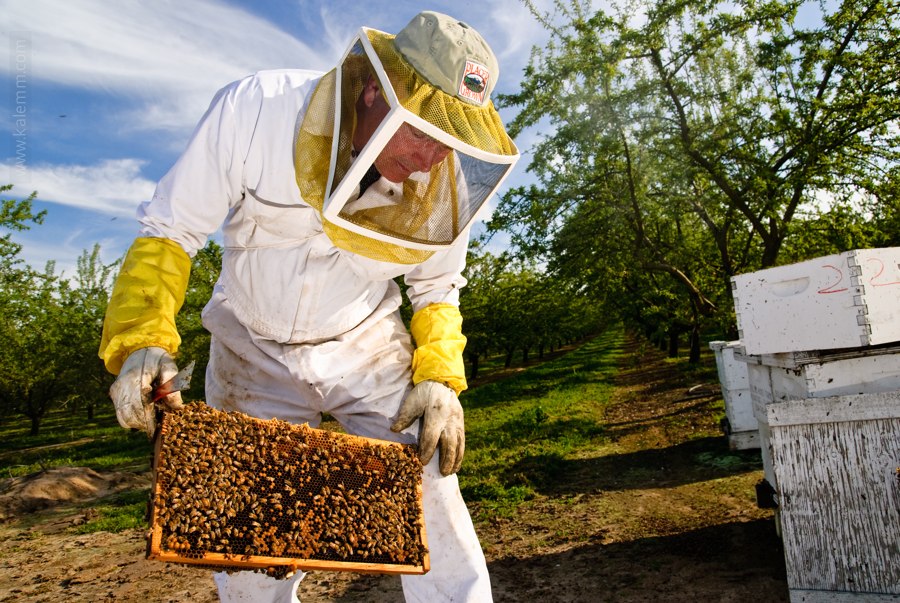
<point>59,426</point>
<point>520,431</point>
<point>117,513</point>
<point>69,439</point>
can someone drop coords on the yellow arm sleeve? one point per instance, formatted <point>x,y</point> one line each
<point>437,330</point>
<point>147,295</point>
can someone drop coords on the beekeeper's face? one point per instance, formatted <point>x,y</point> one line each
<point>409,150</point>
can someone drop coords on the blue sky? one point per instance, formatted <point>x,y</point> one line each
<point>100,97</point>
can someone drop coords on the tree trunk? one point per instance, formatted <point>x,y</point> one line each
<point>473,364</point>
<point>35,424</point>
<point>508,362</point>
<point>673,344</point>
<point>694,357</point>
<point>90,412</point>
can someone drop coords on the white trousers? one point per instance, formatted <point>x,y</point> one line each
<point>359,378</point>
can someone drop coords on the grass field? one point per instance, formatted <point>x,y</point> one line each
<point>520,429</point>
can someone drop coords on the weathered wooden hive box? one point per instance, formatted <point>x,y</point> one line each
<point>235,492</point>
<point>742,428</point>
<point>837,463</point>
<point>845,300</point>
<point>775,378</point>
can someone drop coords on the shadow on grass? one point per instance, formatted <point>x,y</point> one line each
<point>103,453</point>
<point>60,426</point>
<point>684,409</point>
<point>688,462</point>
<point>645,376</point>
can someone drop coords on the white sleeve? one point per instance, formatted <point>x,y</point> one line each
<point>438,279</point>
<point>194,197</point>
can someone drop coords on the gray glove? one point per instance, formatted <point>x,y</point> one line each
<point>132,392</point>
<point>442,422</point>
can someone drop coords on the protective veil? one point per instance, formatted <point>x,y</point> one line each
<point>418,182</point>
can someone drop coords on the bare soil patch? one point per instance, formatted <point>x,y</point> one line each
<point>669,515</point>
<point>60,486</point>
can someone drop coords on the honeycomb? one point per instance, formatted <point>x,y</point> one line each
<point>236,492</point>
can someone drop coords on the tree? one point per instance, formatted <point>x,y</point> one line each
<point>85,299</point>
<point>49,326</point>
<point>688,137</point>
<point>36,370</point>
<point>513,307</point>
<point>205,269</point>
<point>476,302</point>
<point>15,216</point>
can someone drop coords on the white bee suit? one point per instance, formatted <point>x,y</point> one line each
<point>299,326</point>
<point>284,277</point>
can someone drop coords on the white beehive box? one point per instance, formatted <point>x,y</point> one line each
<point>741,429</point>
<point>836,460</point>
<point>818,374</point>
<point>759,384</point>
<point>845,300</point>
<point>777,378</point>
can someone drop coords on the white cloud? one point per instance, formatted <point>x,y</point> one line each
<point>169,56</point>
<point>167,59</point>
<point>113,187</point>
<point>516,33</point>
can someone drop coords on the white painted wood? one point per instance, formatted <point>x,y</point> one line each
<point>793,360</point>
<point>735,388</point>
<point>845,300</point>
<point>838,491</point>
<point>826,596</point>
<point>744,440</point>
<point>732,372</point>
<point>819,374</point>
<point>765,451</point>
<point>834,409</point>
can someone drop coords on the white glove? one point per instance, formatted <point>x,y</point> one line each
<point>442,422</point>
<point>132,392</point>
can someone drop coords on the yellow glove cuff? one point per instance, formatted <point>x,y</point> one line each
<point>437,330</point>
<point>147,295</point>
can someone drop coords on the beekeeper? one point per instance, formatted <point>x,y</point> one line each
<point>327,187</point>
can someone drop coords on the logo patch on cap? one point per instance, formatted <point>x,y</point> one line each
<point>474,82</point>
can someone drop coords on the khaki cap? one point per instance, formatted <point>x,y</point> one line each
<point>450,55</point>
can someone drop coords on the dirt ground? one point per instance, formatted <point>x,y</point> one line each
<point>670,516</point>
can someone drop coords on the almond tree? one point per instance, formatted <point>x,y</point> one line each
<point>49,326</point>
<point>688,137</point>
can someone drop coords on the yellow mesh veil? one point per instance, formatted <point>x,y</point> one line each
<point>479,127</point>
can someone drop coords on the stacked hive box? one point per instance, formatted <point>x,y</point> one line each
<point>740,424</point>
<point>820,341</point>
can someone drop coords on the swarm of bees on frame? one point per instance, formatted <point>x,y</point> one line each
<point>231,484</point>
